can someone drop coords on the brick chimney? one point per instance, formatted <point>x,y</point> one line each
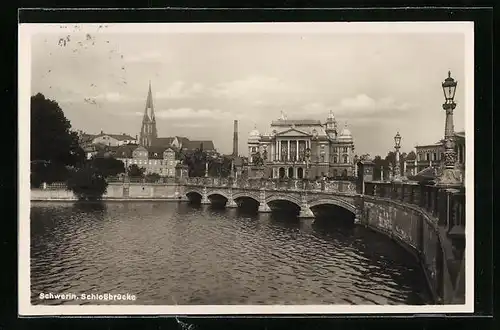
<point>235,139</point>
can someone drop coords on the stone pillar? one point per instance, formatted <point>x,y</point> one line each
<point>288,151</point>
<point>297,150</point>
<point>279,151</point>
<point>305,211</point>
<point>204,197</point>
<point>230,202</point>
<point>263,207</point>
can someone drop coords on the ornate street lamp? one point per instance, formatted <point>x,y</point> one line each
<point>397,146</point>
<point>451,175</point>
<point>308,161</point>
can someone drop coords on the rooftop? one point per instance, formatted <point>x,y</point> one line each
<point>296,122</point>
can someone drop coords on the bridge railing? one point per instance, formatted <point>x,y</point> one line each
<point>444,204</point>
<point>332,186</point>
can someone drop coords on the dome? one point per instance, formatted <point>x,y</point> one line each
<point>345,134</point>
<point>331,116</point>
<point>254,134</point>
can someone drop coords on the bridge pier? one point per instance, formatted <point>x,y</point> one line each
<point>305,210</point>
<point>204,197</point>
<point>264,208</point>
<point>230,200</point>
<point>306,213</point>
<point>231,203</point>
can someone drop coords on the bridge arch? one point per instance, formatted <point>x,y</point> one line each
<point>193,191</point>
<point>255,197</point>
<point>334,201</point>
<point>218,192</point>
<point>289,198</point>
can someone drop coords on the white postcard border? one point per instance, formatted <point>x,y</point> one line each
<point>24,93</point>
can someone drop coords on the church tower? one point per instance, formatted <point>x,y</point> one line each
<point>331,126</point>
<point>148,130</point>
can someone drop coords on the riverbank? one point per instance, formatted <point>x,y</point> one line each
<point>116,192</point>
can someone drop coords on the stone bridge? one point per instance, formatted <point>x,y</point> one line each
<point>304,194</point>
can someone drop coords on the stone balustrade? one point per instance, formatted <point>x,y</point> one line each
<point>446,205</point>
<point>333,186</point>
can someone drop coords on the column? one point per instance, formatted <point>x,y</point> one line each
<point>297,150</point>
<point>288,151</point>
<point>279,150</point>
<point>276,153</point>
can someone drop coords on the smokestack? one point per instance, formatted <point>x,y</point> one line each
<point>235,139</point>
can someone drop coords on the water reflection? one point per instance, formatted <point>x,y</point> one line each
<point>202,254</point>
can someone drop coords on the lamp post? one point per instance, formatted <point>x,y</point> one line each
<point>308,161</point>
<point>397,146</point>
<point>450,175</point>
<point>307,157</point>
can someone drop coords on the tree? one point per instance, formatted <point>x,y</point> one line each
<point>257,159</point>
<point>411,155</point>
<point>364,157</point>
<point>152,177</point>
<point>87,183</point>
<point>53,145</point>
<point>196,162</point>
<point>136,171</point>
<point>108,166</point>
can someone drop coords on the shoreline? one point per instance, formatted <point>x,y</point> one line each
<point>111,199</point>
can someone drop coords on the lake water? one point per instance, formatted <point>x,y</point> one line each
<point>169,253</point>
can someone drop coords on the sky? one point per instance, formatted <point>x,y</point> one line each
<point>378,84</point>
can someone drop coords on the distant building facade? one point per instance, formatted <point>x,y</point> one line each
<point>161,161</point>
<point>284,149</point>
<point>431,155</point>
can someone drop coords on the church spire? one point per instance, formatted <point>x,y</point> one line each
<point>149,104</point>
<point>148,129</point>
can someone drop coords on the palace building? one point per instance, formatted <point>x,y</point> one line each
<point>430,156</point>
<point>284,153</point>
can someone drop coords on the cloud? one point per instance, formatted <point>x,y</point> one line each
<point>363,104</point>
<point>252,87</point>
<point>189,125</point>
<point>180,90</point>
<point>149,56</point>
<point>360,105</point>
<point>189,113</point>
<point>113,97</point>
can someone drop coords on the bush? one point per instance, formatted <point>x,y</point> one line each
<point>152,177</point>
<point>88,184</point>
<point>135,171</point>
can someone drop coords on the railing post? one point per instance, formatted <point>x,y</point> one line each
<point>417,194</point>
<point>423,196</point>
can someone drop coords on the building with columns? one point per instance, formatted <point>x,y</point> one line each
<point>283,150</point>
<point>432,155</point>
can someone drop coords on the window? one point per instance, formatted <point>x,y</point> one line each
<point>345,159</point>
<point>427,157</point>
<point>335,159</point>
<point>345,149</point>
<point>434,156</point>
